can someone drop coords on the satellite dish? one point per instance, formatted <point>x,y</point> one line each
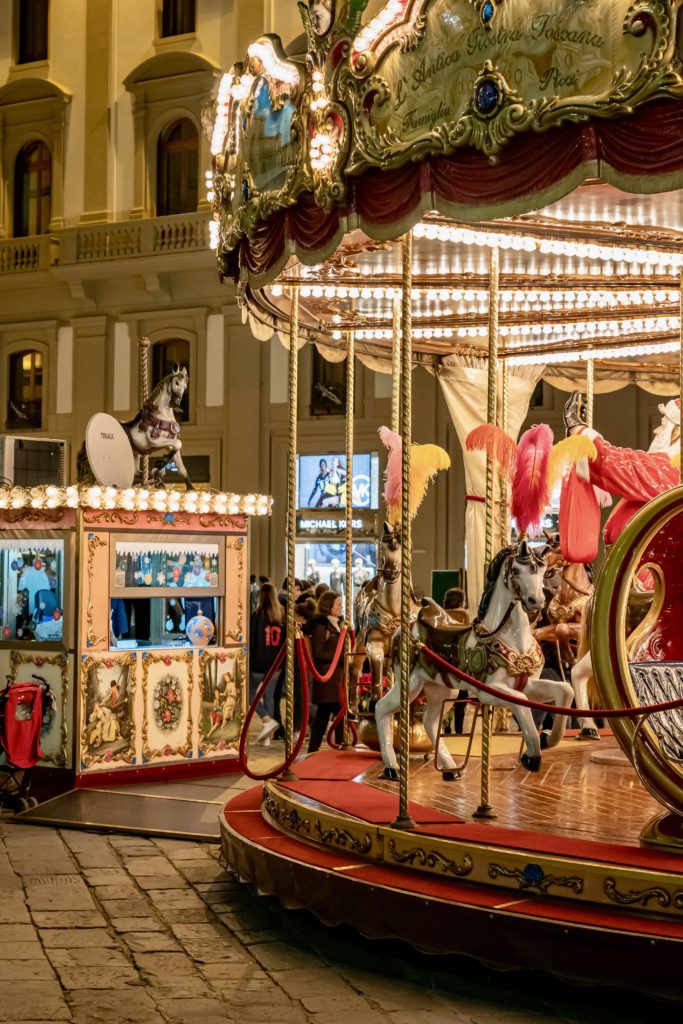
<point>109,452</point>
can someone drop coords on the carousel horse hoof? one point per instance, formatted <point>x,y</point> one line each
<point>451,776</point>
<point>391,774</point>
<point>532,764</point>
<point>588,734</point>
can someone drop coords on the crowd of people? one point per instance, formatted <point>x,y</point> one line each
<point>318,612</point>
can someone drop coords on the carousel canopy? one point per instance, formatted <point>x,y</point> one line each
<point>553,135</point>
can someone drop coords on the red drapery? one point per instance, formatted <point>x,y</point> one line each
<point>647,144</point>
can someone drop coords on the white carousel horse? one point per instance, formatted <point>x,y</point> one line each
<point>499,649</point>
<point>377,615</point>
<point>155,430</point>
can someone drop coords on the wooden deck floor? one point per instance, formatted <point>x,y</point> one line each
<point>571,795</point>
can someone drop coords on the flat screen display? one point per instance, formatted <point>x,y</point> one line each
<point>322,481</point>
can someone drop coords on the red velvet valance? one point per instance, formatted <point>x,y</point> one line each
<point>532,170</point>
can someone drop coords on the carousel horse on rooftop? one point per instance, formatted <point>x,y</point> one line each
<point>155,431</point>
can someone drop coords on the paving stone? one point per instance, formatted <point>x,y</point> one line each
<point>97,978</point>
<point>13,911</point>
<point>121,891</point>
<point>85,957</point>
<point>58,892</point>
<point>10,883</point>
<point>194,1011</point>
<point>278,956</point>
<point>178,849</point>
<point>137,907</point>
<point>68,919</point>
<point>90,851</point>
<point>166,964</point>
<point>26,970</point>
<point>180,986</point>
<point>441,1016</point>
<point>165,882</point>
<point>202,872</point>
<point>188,915</point>
<point>158,865</point>
<point>32,1000</point>
<point>73,938</point>
<point>317,987</point>
<point>130,845</point>
<point>130,1006</point>
<point>151,942</point>
<point>136,924</point>
<point>171,900</point>
<point>21,950</point>
<point>18,933</point>
<point>106,876</point>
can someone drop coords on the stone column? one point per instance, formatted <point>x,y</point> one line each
<point>97,152</point>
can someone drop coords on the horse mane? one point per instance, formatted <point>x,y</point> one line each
<point>492,575</point>
<point>151,400</point>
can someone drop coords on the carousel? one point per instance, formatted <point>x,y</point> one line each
<point>489,190</point>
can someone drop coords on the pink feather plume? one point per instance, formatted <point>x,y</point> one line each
<point>393,474</point>
<point>497,445</point>
<point>530,490</point>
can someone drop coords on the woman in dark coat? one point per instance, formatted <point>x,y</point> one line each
<point>324,632</point>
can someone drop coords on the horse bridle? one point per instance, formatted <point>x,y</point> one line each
<point>559,567</point>
<point>512,585</point>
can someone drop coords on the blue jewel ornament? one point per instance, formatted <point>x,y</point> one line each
<point>245,191</point>
<point>487,96</point>
<point>533,874</point>
<point>487,12</point>
<point>169,519</point>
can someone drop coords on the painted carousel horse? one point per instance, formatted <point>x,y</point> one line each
<point>155,432</point>
<point>377,616</point>
<point>499,649</point>
<point>569,586</point>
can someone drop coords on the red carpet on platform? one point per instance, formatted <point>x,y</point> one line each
<point>365,802</point>
<point>337,765</point>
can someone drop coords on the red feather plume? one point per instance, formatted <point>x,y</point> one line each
<point>497,445</point>
<point>530,490</point>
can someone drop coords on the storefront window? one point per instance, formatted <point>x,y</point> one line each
<point>32,590</point>
<point>323,561</point>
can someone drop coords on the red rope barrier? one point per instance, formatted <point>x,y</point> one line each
<point>338,718</point>
<point>300,645</point>
<point>551,709</point>
<point>335,659</point>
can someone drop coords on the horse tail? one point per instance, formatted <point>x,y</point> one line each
<point>84,473</point>
<point>128,426</point>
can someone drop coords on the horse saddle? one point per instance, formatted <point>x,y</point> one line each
<point>444,632</point>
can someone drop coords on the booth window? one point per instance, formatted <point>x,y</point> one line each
<point>25,399</point>
<point>32,190</point>
<point>165,356</point>
<point>31,21</point>
<point>178,169</point>
<point>177,17</point>
<point>328,387</point>
<point>32,590</point>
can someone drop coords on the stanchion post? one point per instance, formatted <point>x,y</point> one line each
<point>680,374</point>
<point>505,425</point>
<point>348,580</point>
<point>485,810</point>
<point>404,821</point>
<point>291,525</point>
<point>396,367</point>
<point>143,389</point>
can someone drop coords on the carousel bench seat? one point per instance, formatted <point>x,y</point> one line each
<point>657,682</point>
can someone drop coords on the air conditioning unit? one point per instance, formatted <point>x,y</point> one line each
<point>32,461</point>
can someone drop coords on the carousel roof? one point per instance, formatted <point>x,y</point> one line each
<point>555,137</point>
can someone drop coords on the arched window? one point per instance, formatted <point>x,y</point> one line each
<point>177,169</point>
<point>31,30</point>
<point>32,190</point>
<point>25,399</point>
<point>166,355</point>
<point>177,17</point>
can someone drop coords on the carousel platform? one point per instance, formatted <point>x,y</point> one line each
<point>558,882</point>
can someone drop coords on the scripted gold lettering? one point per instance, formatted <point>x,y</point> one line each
<point>544,26</point>
<point>428,68</point>
<point>557,79</point>
<point>415,120</point>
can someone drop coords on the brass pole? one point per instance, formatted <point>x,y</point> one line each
<point>291,523</point>
<point>396,368</point>
<point>348,581</point>
<point>485,809</point>
<point>680,376</point>
<point>404,820</point>
<point>505,425</point>
<point>590,391</point>
<point>143,388</point>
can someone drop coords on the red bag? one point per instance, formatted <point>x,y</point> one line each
<point>579,520</point>
<point>22,722</point>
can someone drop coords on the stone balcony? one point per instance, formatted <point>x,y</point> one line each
<point>123,240</point>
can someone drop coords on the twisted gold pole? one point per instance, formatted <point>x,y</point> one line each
<point>404,820</point>
<point>505,425</point>
<point>485,810</point>
<point>291,522</point>
<point>590,391</point>
<point>348,581</point>
<point>396,368</point>
<point>680,376</point>
<point>143,389</point>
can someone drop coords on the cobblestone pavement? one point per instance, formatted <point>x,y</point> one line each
<point>137,931</point>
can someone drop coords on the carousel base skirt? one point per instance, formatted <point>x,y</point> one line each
<point>539,888</point>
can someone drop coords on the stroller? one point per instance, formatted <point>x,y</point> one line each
<point>21,720</point>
